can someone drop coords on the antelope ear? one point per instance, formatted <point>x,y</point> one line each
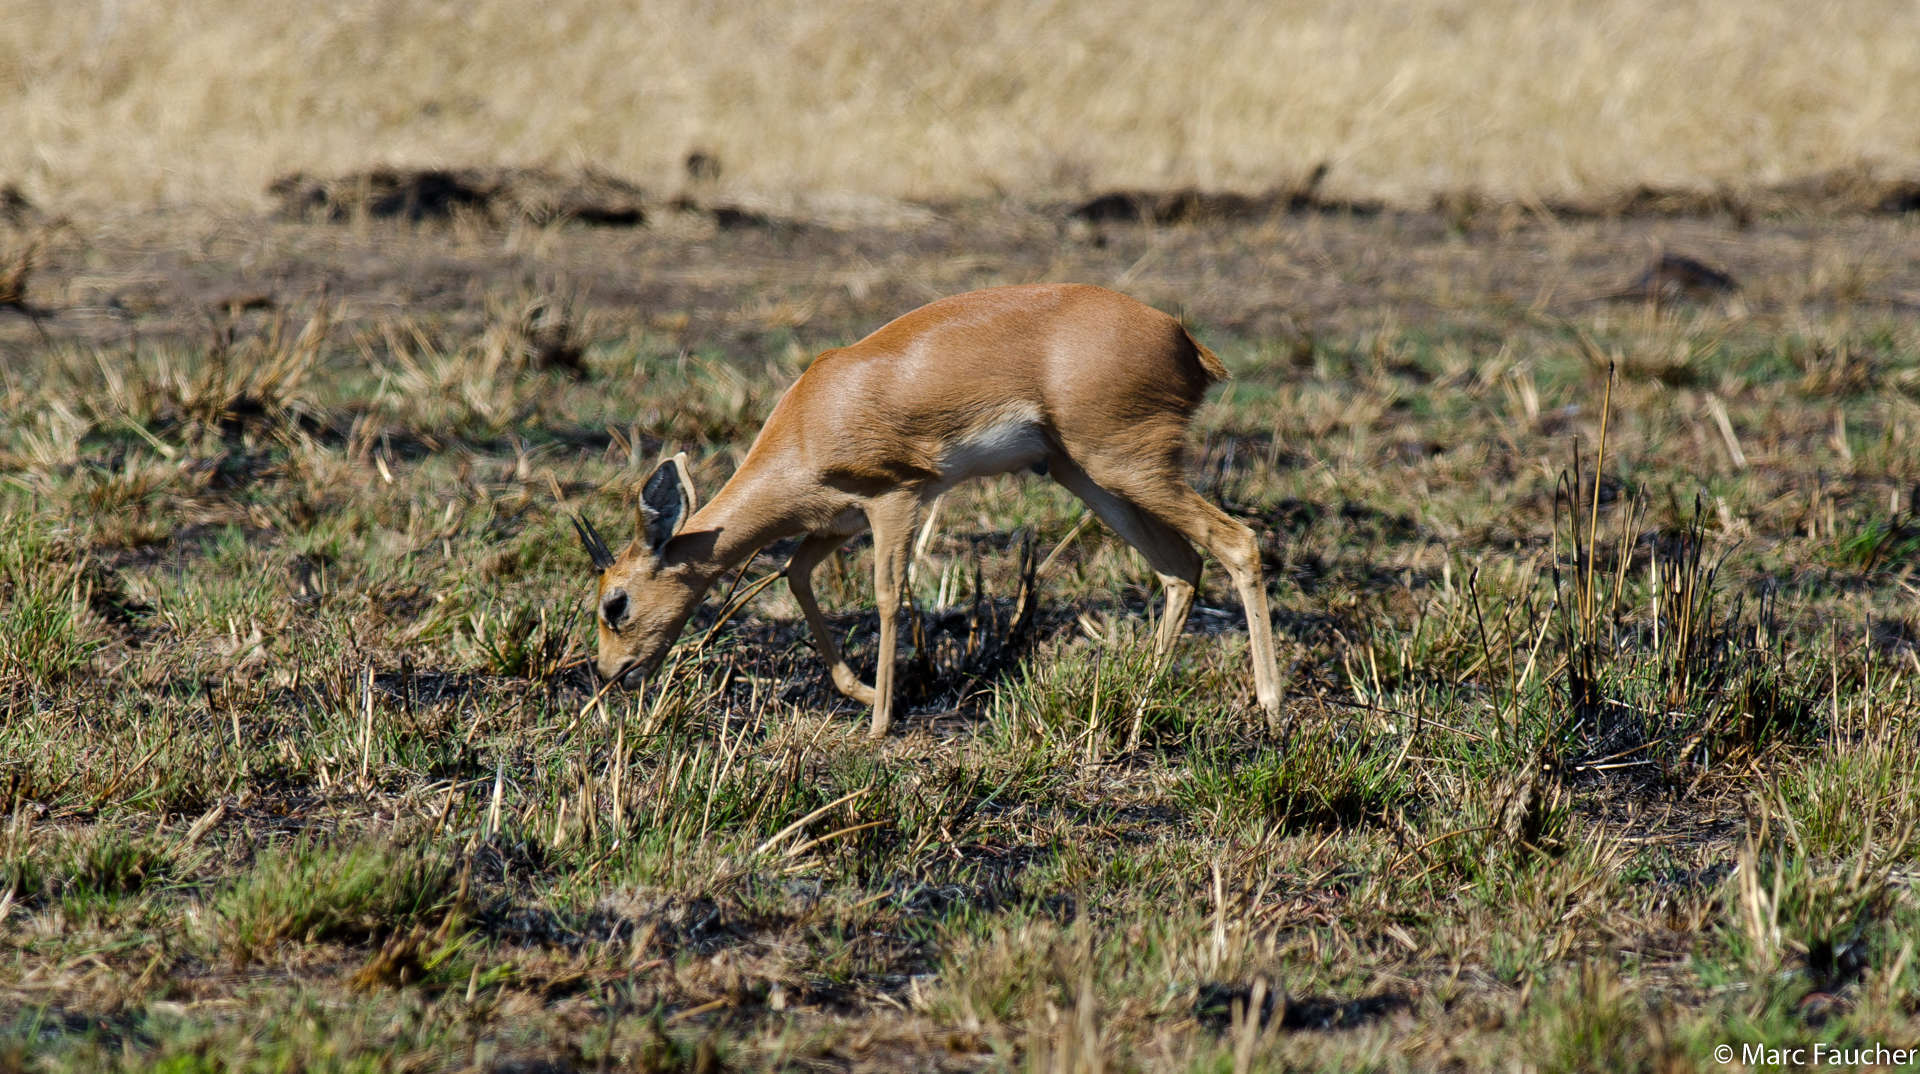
<point>666,502</point>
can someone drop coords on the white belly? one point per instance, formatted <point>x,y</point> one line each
<point>1012,442</point>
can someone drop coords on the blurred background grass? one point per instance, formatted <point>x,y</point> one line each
<point>138,101</point>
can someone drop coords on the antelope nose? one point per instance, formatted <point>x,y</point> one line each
<point>626,672</point>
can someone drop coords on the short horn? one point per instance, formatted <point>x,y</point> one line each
<point>590,540</point>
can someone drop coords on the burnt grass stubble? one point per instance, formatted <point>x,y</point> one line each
<point>303,765</point>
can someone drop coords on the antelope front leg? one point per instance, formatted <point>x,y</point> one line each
<point>800,579</point>
<point>893,519</point>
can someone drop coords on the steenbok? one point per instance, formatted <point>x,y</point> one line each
<point>1078,382</point>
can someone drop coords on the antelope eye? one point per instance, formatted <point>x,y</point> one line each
<point>614,608</point>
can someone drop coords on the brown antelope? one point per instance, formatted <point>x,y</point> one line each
<point>1075,381</point>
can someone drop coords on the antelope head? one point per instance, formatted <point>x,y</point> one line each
<point>645,595</point>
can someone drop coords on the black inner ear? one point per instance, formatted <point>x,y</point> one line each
<point>665,504</point>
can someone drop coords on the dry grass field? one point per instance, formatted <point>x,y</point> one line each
<point>1595,571</point>
<point>207,100</point>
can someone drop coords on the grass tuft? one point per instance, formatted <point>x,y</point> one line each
<point>46,634</point>
<point>1322,775</point>
<point>307,892</point>
<point>1099,703</point>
